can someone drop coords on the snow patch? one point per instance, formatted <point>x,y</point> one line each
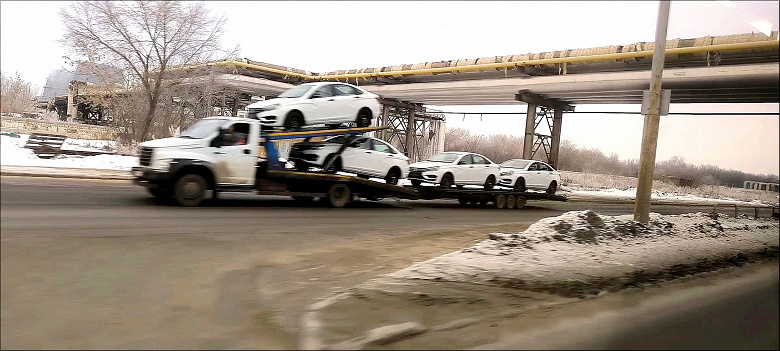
<point>13,153</point>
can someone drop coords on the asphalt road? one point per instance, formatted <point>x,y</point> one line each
<point>99,264</point>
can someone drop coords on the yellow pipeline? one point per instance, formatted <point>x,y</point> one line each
<point>768,44</point>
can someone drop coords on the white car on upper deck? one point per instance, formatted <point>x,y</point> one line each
<point>330,103</point>
<point>529,174</point>
<point>455,168</point>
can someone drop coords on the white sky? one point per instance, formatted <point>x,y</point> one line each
<point>325,36</point>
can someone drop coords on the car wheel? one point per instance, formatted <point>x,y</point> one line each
<point>392,176</point>
<point>339,195</point>
<point>511,201</point>
<point>335,166</point>
<point>363,176</point>
<point>552,188</point>
<point>334,126</point>
<point>190,190</point>
<point>416,183</point>
<point>520,185</point>
<point>459,186</point>
<point>363,118</point>
<point>490,182</point>
<point>446,181</point>
<point>294,121</point>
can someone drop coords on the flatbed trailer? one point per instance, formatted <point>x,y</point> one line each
<point>191,176</point>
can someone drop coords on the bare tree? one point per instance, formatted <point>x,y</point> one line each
<point>16,95</point>
<point>146,39</point>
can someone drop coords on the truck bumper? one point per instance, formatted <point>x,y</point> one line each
<point>150,178</point>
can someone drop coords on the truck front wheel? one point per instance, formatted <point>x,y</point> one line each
<point>190,190</point>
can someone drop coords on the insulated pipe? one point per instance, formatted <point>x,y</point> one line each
<point>767,44</point>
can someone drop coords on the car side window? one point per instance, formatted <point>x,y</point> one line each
<point>466,160</point>
<point>545,167</point>
<point>382,147</point>
<point>323,91</point>
<point>533,167</point>
<point>361,143</point>
<point>479,160</point>
<point>341,89</point>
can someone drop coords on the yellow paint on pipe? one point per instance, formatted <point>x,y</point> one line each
<point>768,44</point>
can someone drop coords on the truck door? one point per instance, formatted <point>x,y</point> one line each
<point>236,159</point>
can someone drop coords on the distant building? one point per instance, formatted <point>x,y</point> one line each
<point>749,184</point>
<point>58,81</point>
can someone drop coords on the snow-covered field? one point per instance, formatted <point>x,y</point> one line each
<point>584,248</point>
<point>14,154</point>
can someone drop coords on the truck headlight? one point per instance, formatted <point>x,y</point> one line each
<point>163,164</point>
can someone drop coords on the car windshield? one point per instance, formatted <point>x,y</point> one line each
<point>296,92</point>
<point>445,157</point>
<point>515,164</point>
<point>202,128</point>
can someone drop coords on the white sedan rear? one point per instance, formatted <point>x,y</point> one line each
<point>529,174</point>
<point>365,156</point>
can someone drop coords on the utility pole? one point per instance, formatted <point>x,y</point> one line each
<point>652,119</point>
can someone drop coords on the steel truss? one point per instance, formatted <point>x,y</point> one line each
<point>543,141</point>
<point>427,129</point>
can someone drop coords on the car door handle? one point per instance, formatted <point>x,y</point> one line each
<point>219,153</point>
<point>471,166</point>
<point>369,152</point>
<point>246,151</point>
<point>356,97</point>
<point>331,99</point>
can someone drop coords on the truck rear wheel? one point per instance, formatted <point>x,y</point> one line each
<point>339,195</point>
<point>190,190</point>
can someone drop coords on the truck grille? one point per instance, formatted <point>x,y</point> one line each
<point>146,156</point>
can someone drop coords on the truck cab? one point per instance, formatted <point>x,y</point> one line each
<point>214,152</point>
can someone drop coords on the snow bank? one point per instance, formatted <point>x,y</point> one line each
<point>583,248</point>
<point>13,153</point>
<point>660,196</point>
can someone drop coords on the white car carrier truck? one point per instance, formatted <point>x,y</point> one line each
<point>222,154</point>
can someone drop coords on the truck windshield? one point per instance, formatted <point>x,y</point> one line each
<point>515,164</point>
<point>445,157</point>
<point>295,92</point>
<point>202,128</point>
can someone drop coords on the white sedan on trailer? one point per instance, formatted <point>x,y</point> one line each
<point>455,168</point>
<point>330,103</point>
<point>364,156</point>
<point>529,174</point>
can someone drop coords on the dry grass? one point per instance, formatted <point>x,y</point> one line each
<point>592,181</point>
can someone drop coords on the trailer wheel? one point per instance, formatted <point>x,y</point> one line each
<point>500,201</point>
<point>511,201</point>
<point>190,189</point>
<point>490,182</point>
<point>339,195</point>
<point>520,185</point>
<point>463,202</point>
<point>519,202</point>
<point>416,183</point>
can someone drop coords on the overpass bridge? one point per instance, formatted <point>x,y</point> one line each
<point>739,68</point>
